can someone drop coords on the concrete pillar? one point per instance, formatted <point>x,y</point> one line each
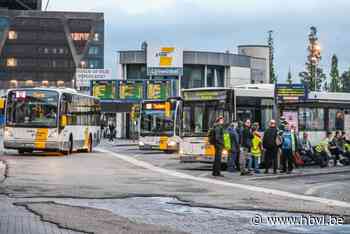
<point>205,76</point>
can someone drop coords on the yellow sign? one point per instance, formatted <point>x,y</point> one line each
<point>2,103</point>
<point>165,58</point>
<point>41,138</point>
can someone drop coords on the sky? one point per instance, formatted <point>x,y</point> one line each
<point>220,25</point>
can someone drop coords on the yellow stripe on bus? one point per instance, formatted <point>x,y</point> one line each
<point>163,143</point>
<point>41,138</point>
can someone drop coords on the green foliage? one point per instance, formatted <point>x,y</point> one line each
<point>345,80</point>
<point>308,77</point>
<point>335,85</point>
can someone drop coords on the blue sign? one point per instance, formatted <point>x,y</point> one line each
<point>289,92</point>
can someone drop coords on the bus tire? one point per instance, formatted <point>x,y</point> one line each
<point>20,151</point>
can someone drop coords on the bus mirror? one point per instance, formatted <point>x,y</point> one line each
<point>63,121</point>
<point>167,109</point>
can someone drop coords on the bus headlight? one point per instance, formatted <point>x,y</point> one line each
<point>172,143</point>
<point>53,134</point>
<point>8,133</point>
<point>141,143</point>
<point>224,153</point>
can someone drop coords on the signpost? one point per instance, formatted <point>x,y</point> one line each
<point>104,89</point>
<point>158,89</point>
<point>164,61</point>
<point>131,90</point>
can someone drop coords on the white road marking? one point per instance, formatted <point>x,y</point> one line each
<point>181,175</point>
<point>314,189</point>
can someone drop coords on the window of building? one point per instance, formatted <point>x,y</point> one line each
<point>83,64</point>
<point>60,83</point>
<point>13,83</point>
<point>311,119</point>
<point>136,71</point>
<point>215,76</point>
<point>29,83</point>
<point>96,37</point>
<point>46,50</point>
<point>11,62</point>
<point>80,36</point>
<point>61,51</point>
<point>193,77</point>
<point>45,83</point>
<point>94,50</point>
<point>94,63</point>
<point>12,35</point>
<point>336,119</point>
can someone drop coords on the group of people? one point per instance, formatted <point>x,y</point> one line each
<point>278,148</point>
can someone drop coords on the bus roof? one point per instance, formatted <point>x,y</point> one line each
<point>59,90</point>
<point>329,96</point>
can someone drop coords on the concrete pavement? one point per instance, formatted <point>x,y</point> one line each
<point>35,181</point>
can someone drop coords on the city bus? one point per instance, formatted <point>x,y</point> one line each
<point>200,107</point>
<point>157,125</point>
<point>48,119</point>
<point>319,113</point>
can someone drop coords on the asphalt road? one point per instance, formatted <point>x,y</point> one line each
<point>128,187</point>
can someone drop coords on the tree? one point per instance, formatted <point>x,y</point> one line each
<point>335,85</point>
<point>345,80</point>
<point>313,76</point>
<point>289,77</point>
<point>270,42</point>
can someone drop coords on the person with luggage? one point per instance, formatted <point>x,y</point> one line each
<point>288,149</point>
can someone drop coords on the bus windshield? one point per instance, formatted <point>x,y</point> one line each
<point>32,108</point>
<point>198,117</point>
<point>155,122</point>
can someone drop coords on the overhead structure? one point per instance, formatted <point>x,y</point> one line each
<point>21,4</point>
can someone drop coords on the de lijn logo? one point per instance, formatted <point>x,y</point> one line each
<point>165,56</point>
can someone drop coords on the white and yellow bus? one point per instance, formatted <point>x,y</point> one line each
<point>201,106</point>
<point>157,125</point>
<point>46,119</point>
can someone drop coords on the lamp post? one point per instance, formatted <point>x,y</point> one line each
<point>314,53</point>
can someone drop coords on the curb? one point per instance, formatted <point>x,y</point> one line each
<point>301,175</point>
<point>2,171</point>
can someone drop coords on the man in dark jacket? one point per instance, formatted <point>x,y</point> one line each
<point>234,137</point>
<point>219,145</point>
<point>246,143</point>
<point>269,144</point>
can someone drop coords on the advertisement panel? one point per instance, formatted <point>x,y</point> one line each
<point>84,76</point>
<point>292,118</point>
<point>164,61</point>
<point>158,89</point>
<point>104,89</point>
<point>130,90</point>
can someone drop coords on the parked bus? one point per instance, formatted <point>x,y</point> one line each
<point>45,119</point>
<point>157,125</point>
<point>200,108</point>
<point>319,113</point>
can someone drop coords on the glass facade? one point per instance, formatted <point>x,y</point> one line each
<point>136,71</point>
<point>311,119</point>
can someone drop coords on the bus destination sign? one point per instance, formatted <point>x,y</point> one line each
<point>205,95</point>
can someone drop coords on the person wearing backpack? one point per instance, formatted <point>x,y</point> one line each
<point>271,147</point>
<point>288,148</point>
<point>234,136</point>
<point>217,138</point>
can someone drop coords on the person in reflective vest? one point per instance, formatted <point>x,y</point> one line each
<point>322,150</point>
